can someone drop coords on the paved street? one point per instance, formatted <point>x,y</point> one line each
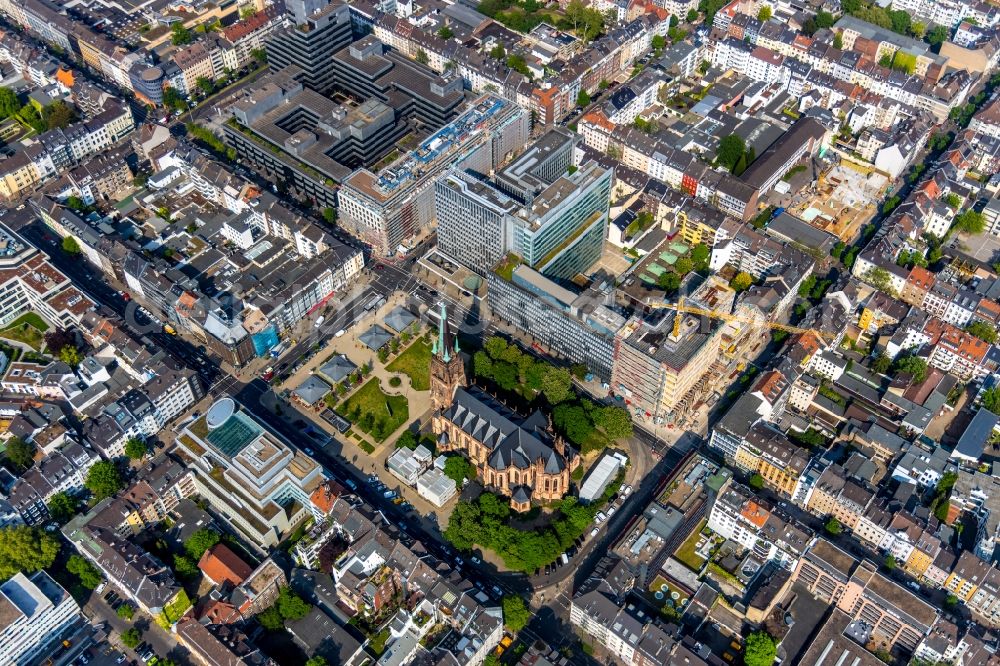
<point>162,642</point>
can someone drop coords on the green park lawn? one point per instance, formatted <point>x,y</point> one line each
<point>29,328</point>
<point>374,412</point>
<point>415,362</point>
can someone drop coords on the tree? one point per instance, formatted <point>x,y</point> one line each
<point>330,215</point>
<point>260,55</point>
<point>669,282</point>
<point>838,40</point>
<point>692,15</point>
<point>445,32</point>
<point>824,19</point>
<point>132,637</point>
<point>126,611</point>
<point>20,452</point>
<point>103,480</point>
<point>879,278</point>
<point>731,149</point>
<point>270,619</point>
<point>582,99</point>
<point>833,527</point>
<point>201,541</point>
<point>614,421</point>
<point>185,567</point>
<point>756,481</point>
<point>498,52</point>
<point>88,574</point>
<point>29,114</point>
<point>557,385</point>
<point>57,338</point>
<point>248,12</point>
<point>759,649</point>
<point>938,35</point>
<point>983,331</point>
<point>135,448</point>
<point>290,605</point>
<point>700,255</point>
<point>515,613</point>
<point>658,43</point>
<point>991,399</point>
<point>764,14</point>
<point>70,246</point>
<point>741,281</point>
<point>205,84</point>
<point>969,222</point>
<point>9,105</point>
<point>890,562</point>
<point>683,266</point>
<point>881,364</point>
<point>458,469</point>
<point>318,660</point>
<point>914,366</point>
<point>58,115</point>
<point>179,35</point>
<point>422,57</point>
<point>70,355</point>
<point>62,506</point>
<point>26,549</point>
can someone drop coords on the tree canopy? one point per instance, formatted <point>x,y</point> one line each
<point>741,281</point>
<point>179,35</point>
<point>58,114</point>
<point>62,506</point>
<point>26,549</point>
<point>9,104</point>
<point>103,479</point>
<point>991,399</point>
<point>20,452</point>
<point>70,246</point>
<point>912,365</point>
<point>458,469</point>
<point>759,649</point>
<point>731,149</point>
<point>201,541</point>
<point>983,331</point>
<point>515,613</point>
<point>969,222</point>
<point>135,448</point>
<point>88,574</point>
<point>833,527</point>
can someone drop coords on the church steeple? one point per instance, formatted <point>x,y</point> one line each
<point>447,369</point>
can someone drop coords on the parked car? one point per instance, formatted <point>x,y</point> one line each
<point>600,517</point>
<point>611,511</point>
<point>594,531</point>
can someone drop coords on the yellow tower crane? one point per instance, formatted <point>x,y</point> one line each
<point>729,317</point>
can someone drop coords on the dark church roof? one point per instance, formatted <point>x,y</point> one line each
<point>513,442</point>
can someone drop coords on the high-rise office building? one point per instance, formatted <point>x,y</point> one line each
<point>535,207</point>
<point>473,220</point>
<point>392,207</point>
<point>316,32</point>
<point>35,612</point>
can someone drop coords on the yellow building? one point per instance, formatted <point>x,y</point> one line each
<point>968,574</point>
<point>17,174</point>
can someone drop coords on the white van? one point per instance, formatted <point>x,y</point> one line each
<point>319,322</point>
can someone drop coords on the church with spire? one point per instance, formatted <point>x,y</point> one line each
<point>520,458</point>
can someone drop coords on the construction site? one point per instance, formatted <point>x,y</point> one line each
<point>840,201</point>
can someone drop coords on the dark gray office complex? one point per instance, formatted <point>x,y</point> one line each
<point>296,134</point>
<point>368,69</point>
<point>317,32</point>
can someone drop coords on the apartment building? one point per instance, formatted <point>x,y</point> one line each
<point>37,614</point>
<point>144,411</point>
<point>767,451</point>
<point>251,476</point>
<point>28,282</point>
<point>62,471</point>
<point>836,495</point>
<point>737,514</point>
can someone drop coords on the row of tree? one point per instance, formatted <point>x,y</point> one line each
<point>485,522</point>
